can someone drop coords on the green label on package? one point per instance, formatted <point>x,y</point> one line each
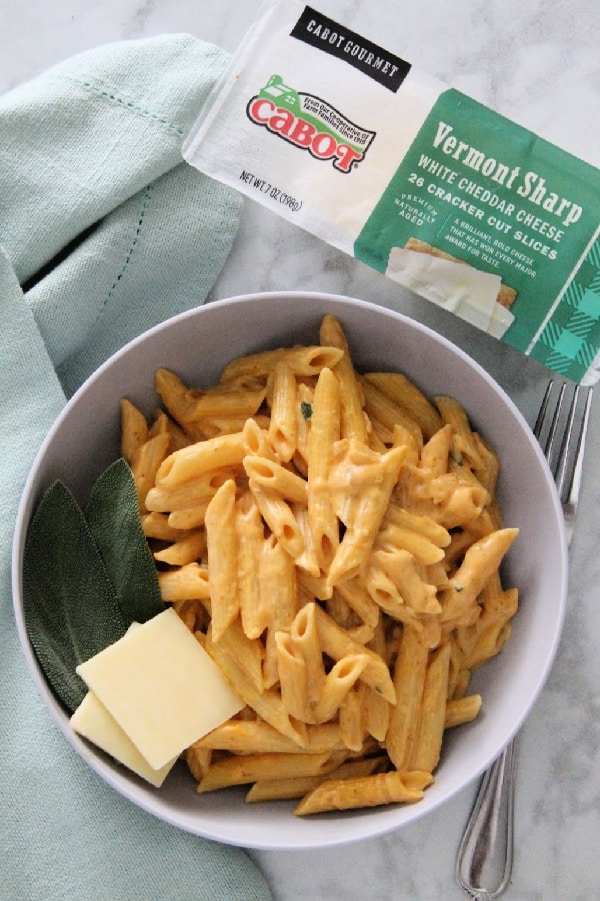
<point>479,188</point>
<point>413,178</point>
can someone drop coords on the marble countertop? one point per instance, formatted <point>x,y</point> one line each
<point>538,64</point>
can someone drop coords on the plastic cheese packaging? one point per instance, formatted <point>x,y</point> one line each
<point>413,178</point>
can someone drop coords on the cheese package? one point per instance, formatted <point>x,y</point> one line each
<point>161,687</point>
<point>413,178</point>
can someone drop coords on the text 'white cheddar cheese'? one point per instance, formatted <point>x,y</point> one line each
<point>161,687</point>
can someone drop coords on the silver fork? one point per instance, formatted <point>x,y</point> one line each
<point>484,861</point>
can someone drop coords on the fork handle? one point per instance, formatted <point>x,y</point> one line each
<point>484,860</point>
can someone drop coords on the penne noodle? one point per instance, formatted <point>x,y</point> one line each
<point>409,680</point>
<point>466,448</point>
<point>481,560</point>
<point>134,429</point>
<point>297,787</point>
<point>190,462</point>
<point>337,684</point>
<point>185,550</point>
<point>222,550</point>
<point>435,454</point>
<point>293,678</point>
<point>255,606</point>
<point>324,432</point>
<point>272,476</point>
<point>427,747</point>
<point>283,425</point>
<point>256,442</point>
<point>423,525</point>
<point>195,492</point>
<point>279,517</point>
<point>278,586</point>
<point>257,737</point>
<point>387,414</point>
<point>355,547</point>
<point>405,393</point>
<point>304,635</point>
<point>223,403</point>
<point>353,422</point>
<point>189,582</point>
<point>189,517</point>
<point>252,767</point>
<point>302,361</point>
<point>462,710</point>
<point>156,525</point>
<point>351,718</point>
<point>198,761</point>
<point>366,791</point>
<point>400,565</point>
<point>400,538</point>
<point>147,460</point>
<point>339,644</point>
<point>307,560</point>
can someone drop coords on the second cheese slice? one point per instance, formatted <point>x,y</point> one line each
<point>161,687</point>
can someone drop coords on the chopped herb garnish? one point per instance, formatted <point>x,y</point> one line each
<point>306,409</point>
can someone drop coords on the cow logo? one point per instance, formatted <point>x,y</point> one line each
<point>310,124</point>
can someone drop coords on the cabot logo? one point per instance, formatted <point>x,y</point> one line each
<point>310,124</point>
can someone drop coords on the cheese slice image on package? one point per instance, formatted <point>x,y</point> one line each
<point>413,178</point>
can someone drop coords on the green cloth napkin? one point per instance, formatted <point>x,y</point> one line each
<point>104,232</point>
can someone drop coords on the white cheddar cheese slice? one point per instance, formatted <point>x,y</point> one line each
<point>93,721</point>
<point>462,289</point>
<point>161,687</point>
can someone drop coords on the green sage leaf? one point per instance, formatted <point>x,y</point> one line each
<point>112,514</point>
<point>70,606</point>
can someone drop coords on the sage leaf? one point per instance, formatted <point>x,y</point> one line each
<point>112,513</point>
<point>69,603</point>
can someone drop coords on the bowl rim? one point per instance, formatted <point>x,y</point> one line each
<point>123,784</point>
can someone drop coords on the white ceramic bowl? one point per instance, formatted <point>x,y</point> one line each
<point>197,345</point>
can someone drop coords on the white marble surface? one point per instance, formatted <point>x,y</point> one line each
<point>537,63</point>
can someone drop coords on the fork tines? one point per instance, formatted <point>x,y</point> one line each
<point>564,411</point>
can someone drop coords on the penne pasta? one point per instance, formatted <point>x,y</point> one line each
<point>283,424</point>
<point>134,429</point>
<point>272,476</point>
<point>324,432</point>
<point>366,791</point>
<point>280,519</point>
<point>297,787</point>
<point>189,582</point>
<point>428,743</point>
<point>222,551</point>
<point>407,395</point>
<point>302,361</point>
<point>190,462</point>
<point>255,606</point>
<point>353,422</point>
<point>409,679</point>
<point>146,461</point>
<point>333,540</point>
<point>252,767</point>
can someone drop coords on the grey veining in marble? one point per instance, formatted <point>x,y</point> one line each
<point>538,63</point>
